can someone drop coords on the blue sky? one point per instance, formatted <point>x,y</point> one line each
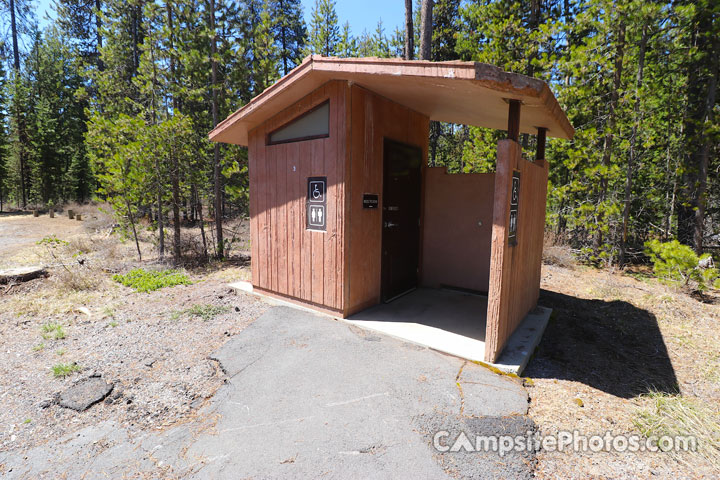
<point>362,14</point>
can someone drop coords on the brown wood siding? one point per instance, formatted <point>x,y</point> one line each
<point>372,118</point>
<point>288,259</point>
<point>514,270</point>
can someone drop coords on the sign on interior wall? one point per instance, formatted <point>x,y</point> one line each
<point>514,201</point>
<point>316,203</point>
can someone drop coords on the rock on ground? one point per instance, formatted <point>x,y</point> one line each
<point>85,394</point>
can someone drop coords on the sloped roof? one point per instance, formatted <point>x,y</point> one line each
<point>470,93</point>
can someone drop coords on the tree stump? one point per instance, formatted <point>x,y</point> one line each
<point>78,217</point>
<point>70,214</point>
<point>36,213</point>
<point>52,213</point>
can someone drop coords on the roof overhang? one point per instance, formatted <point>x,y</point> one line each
<point>470,93</point>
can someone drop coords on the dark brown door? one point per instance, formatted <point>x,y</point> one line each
<point>401,218</point>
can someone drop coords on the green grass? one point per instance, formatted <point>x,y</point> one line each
<point>207,312</point>
<point>113,324</point>
<point>27,420</point>
<point>38,347</point>
<point>52,241</point>
<point>204,311</point>
<point>151,280</point>
<point>62,370</point>
<point>60,352</point>
<point>53,331</point>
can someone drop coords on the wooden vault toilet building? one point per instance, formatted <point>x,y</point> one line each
<point>345,212</point>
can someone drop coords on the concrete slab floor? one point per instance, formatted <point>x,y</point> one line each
<point>448,321</point>
<point>445,320</point>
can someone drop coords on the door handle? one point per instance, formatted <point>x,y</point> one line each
<point>391,224</point>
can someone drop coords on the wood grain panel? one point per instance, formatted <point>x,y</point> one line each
<point>288,259</point>
<point>514,270</point>
<point>253,185</point>
<point>330,169</point>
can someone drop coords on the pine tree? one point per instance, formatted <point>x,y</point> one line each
<point>375,45</point>
<point>289,32</point>
<point>347,46</point>
<point>80,22</point>
<point>123,32</point>
<point>324,30</point>
<point>445,17</point>
<point>267,52</point>
<point>703,71</point>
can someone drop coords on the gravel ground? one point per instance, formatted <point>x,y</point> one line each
<point>149,345</point>
<point>158,363</point>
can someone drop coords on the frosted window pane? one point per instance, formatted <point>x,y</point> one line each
<point>313,124</point>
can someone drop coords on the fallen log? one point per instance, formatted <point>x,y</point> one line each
<point>21,274</point>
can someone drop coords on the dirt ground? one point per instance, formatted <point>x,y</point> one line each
<point>153,346</point>
<point>620,348</point>
<point>20,231</point>
<point>622,351</point>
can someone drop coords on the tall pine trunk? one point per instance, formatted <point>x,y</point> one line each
<point>199,210</point>
<point>14,33</point>
<point>633,145</point>
<point>283,39</point>
<point>98,34</point>
<point>174,163</point>
<point>19,123</point>
<point>158,166</point>
<point>409,34</point>
<point>216,148</point>
<point>701,96</point>
<point>610,126</point>
<point>161,225</point>
<point>426,29</point>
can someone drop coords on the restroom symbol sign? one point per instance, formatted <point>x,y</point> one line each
<point>316,216</point>
<point>316,211</point>
<point>514,203</point>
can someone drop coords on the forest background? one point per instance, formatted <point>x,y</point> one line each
<point>112,100</point>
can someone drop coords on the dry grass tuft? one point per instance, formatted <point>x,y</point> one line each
<point>675,415</point>
<point>78,279</point>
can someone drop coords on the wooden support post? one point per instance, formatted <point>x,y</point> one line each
<point>513,119</point>
<point>540,151</point>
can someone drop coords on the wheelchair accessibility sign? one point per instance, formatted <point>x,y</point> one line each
<point>316,211</point>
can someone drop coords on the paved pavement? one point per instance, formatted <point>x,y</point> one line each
<point>310,397</point>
